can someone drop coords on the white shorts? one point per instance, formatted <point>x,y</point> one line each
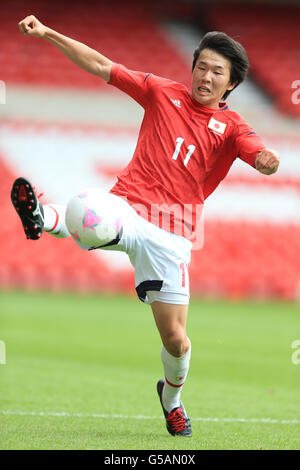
<point>160,258</point>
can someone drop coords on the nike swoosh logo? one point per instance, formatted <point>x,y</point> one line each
<point>37,211</point>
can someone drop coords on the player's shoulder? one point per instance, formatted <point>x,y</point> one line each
<point>230,116</point>
<point>163,82</point>
<point>148,80</point>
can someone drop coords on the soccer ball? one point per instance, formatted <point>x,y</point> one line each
<point>92,218</point>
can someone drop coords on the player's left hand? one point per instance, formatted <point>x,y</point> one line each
<point>267,161</point>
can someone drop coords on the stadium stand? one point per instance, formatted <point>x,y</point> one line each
<point>243,259</point>
<point>271,36</point>
<point>144,46</point>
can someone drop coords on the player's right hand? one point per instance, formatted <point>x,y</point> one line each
<point>31,26</point>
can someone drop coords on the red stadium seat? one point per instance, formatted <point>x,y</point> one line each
<point>238,264</point>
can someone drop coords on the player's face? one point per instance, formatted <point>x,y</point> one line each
<point>211,78</point>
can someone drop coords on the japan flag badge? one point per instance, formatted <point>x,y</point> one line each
<point>217,126</point>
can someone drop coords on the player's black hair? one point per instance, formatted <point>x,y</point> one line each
<point>223,44</point>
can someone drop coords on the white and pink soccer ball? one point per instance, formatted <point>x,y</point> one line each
<point>92,218</point>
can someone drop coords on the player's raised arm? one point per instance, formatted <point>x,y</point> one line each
<point>82,55</point>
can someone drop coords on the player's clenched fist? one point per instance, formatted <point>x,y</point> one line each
<point>267,161</point>
<point>31,26</point>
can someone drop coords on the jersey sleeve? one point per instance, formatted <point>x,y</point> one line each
<point>248,144</point>
<point>138,85</point>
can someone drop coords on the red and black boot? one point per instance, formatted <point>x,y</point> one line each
<point>28,207</point>
<point>177,421</point>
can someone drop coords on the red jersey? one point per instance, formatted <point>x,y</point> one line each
<point>184,150</point>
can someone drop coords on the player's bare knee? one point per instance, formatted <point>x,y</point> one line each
<point>176,343</point>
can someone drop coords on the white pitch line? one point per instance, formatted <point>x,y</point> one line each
<point>118,416</point>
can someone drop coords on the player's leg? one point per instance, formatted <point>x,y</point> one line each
<point>55,220</point>
<point>171,320</point>
<point>160,259</point>
<point>64,220</point>
<point>35,216</point>
<point>175,354</point>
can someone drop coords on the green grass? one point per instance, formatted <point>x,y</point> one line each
<point>99,355</point>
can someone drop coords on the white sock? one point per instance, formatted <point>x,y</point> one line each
<point>55,220</point>
<point>176,370</point>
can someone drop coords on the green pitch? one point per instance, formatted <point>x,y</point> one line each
<point>81,373</point>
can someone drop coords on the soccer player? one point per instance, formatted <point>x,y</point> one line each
<point>188,140</point>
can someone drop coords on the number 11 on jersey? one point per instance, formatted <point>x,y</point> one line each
<point>191,149</point>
